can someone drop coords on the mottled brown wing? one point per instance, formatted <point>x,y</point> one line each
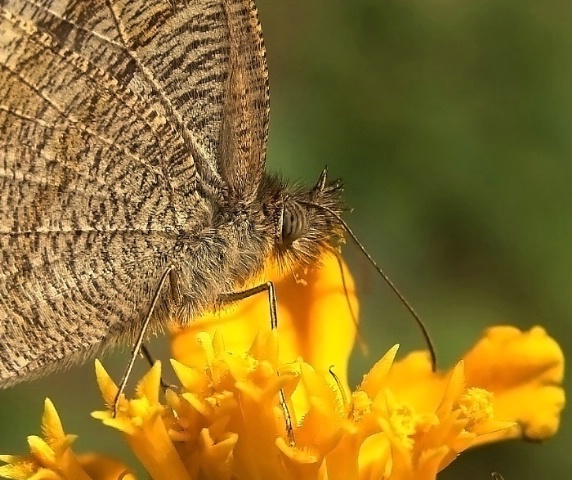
<point>84,201</point>
<point>208,60</point>
<point>110,124</point>
<point>246,104</point>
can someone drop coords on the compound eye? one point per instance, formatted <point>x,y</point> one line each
<point>294,222</point>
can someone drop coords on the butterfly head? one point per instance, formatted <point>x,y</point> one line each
<point>305,221</point>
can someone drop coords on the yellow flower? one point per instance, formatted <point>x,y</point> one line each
<point>227,421</point>
<point>51,457</point>
<point>247,409</point>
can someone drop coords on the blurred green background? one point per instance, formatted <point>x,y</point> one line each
<point>451,124</point>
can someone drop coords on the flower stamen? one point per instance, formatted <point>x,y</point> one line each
<point>345,403</point>
<point>287,417</point>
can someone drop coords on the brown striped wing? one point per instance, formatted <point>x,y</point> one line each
<point>111,132</point>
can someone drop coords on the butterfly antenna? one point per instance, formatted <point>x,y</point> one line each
<point>387,280</point>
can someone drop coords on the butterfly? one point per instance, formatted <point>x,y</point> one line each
<point>133,188</point>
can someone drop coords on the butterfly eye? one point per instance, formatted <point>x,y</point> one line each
<point>294,222</point>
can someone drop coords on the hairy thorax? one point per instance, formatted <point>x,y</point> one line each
<point>222,256</point>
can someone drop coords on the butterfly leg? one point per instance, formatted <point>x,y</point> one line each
<point>140,338</point>
<point>264,287</point>
<point>146,354</point>
<point>271,291</point>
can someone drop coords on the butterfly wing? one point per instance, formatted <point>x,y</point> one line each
<point>208,61</point>
<point>83,207</point>
<point>244,132</point>
<point>110,123</point>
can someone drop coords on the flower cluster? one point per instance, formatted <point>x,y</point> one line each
<point>248,409</point>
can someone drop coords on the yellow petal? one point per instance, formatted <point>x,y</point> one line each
<point>524,371</point>
<point>374,458</point>
<point>375,380</point>
<point>320,429</point>
<point>52,429</point>
<point>150,385</point>
<point>41,451</point>
<point>106,384</point>
<point>413,380</point>
<point>321,317</point>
